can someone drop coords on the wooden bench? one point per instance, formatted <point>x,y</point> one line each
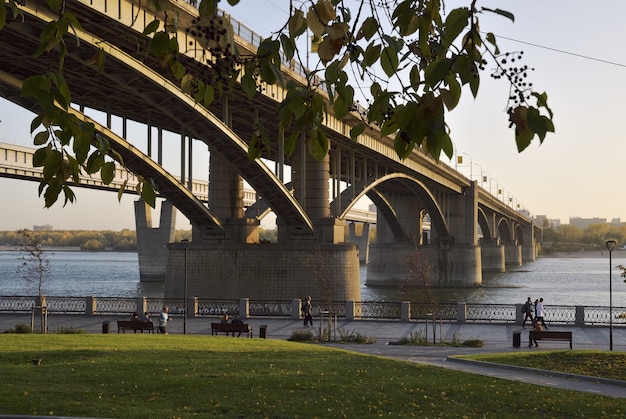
<point>549,335</point>
<point>233,328</point>
<point>134,325</point>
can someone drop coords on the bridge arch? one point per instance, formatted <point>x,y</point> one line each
<point>504,230</point>
<point>207,127</point>
<point>372,189</point>
<point>484,226</point>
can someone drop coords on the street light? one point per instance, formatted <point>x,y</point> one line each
<point>470,165</point>
<point>185,243</point>
<point>610,245</point>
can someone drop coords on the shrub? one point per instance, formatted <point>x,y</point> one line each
<point>354,337</point>
<point>473,343</point>
<point>70,331</point>
<point>20,328</point>
<point>302,336</point>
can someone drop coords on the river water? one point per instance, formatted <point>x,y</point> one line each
<point>560,281</point>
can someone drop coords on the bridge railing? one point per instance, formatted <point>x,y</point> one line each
<point>348,310</point>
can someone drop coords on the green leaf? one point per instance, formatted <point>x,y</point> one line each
<point>94,162</point>
<point>178,69</point>
<point>372,53</point>
<point>501,12</point>
<point>368,28</point>
<point>291,142</point>
<point>456,21</point>
<point>41,138</point>
<point>152,27</point>
<point>107,172</point>
<point>207,8</point>
<point>317,143</point>
<point>209,95</point>
<point>389,61</point>
<point>160,44</point>
<point>492,40</point>
<point>63,90</point>
<point>121,190</point>
<point>402,145</point>
<point>341,107</point>
<point>148,194</point>
<point>289,46</point>
<point>415,77</point>
<point>34,84</point>
<point>267,72</point>
<point>39,157</point>
<point>35,123</point>
<point>357,130</point>
<point>188,84</point>
<point>436,71</point>
<point>52,194</point>
<point>542,101</point>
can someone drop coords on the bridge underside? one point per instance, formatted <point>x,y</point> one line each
<point>223,260</point>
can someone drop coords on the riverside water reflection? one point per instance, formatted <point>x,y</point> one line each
<point>560,281</point>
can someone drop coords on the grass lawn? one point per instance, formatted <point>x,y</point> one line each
<point>593,363</point>
<point>176,376</point>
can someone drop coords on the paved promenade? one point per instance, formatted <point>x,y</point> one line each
<point>496,338</point>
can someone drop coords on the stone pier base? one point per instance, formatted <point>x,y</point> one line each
<point>449,267</point>
<point>264,271</point>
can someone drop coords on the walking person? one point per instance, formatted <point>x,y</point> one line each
<point>164,317</point>
<point>306,310</point>
<point>537,327</point>
<point>527,309</point>
<point>540,313</point>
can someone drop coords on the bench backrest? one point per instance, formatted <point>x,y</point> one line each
<point>133,324</point>
<point>551,334</point>
<point>230,327</point>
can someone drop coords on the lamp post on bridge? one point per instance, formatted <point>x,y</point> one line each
<point>482,179</point>
<point>610,245</point>
<point>470,165</point>
<point>185,243</point>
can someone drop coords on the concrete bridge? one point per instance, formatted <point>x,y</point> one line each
<point>225,259</point>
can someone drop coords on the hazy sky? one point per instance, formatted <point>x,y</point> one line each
<point>576,50</point>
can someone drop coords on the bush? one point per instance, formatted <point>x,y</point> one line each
<point>70,331</point>
<point>20,328</point>
<point>474,343</point>
<point>417,338</point>
<point>354,337</point>
<point>302,336</point>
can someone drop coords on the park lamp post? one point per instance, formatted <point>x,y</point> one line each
<point>185,243</point>
<point>610,245</point>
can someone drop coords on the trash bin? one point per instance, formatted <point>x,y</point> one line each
<point>105,327</point>
<point>263,331</point>
<point>516,339</point>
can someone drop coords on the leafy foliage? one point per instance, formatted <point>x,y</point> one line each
<point>427,57</point>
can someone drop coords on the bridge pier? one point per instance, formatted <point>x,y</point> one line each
<point>457,266</point>
<point>362,241</point>
<point>529,253</point>
<point>513,254</point>
<point>492,257</point>
<point>326,272</point>
<point>152,242</point>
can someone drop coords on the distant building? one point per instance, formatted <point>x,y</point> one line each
<point>45,227</point>
<point>543,220</point>
<point>583,223</point>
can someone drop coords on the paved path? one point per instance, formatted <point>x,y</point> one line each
<point>496,338</point>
